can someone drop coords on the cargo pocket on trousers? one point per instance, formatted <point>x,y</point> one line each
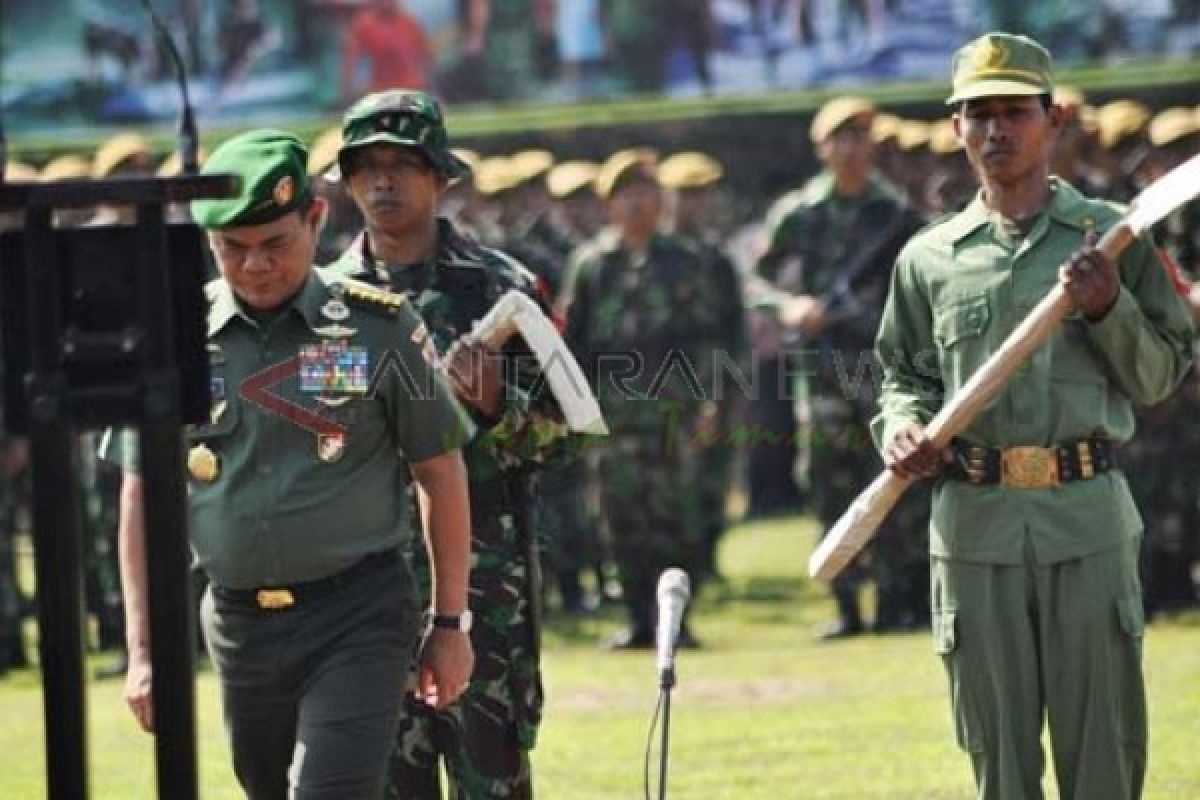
<point>1129,689</point>
<point>946,644</point>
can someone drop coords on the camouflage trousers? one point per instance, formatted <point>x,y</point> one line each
<point>651,504</point>
<point>484,739</point>
<point>842,462</point>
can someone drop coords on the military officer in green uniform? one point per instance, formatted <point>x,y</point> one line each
<point>396,163</point>
<point>833,252</point>
<point>1034,537</point>
<point>323,405</point>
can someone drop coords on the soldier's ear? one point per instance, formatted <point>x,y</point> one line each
<point>318,214</point>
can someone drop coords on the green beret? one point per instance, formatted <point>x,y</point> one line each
<point>273,168</point>
<point>402,117</point>
<point>1001,64</point>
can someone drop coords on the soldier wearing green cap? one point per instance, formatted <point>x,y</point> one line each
<point>323,405</point>
<point>396,163</point>
<point>1037,608</point>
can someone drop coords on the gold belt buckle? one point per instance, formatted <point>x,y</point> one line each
<point>1029,467</point>
<point>275,599</point>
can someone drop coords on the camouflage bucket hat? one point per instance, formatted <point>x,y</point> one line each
<point>1001,64</point>
<point>402,117</point>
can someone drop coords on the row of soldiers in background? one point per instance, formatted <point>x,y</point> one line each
<point>542,212</point>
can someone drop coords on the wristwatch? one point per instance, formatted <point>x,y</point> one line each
<point>454,622</point>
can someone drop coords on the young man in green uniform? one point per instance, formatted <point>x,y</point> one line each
<point>396,163</point>
<point>322,405</point>
<point>1036,604</point>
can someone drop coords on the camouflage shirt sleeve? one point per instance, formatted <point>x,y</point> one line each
<point>530,429</point>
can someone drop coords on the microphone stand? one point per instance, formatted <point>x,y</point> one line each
<point>666,682</point>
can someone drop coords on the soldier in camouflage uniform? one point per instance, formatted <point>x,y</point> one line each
<point>395,162</point>
<point>1164,456</point>
<point>648,317</point>
<point>847,219</point>
<point>521,226</point>
<point>566,520</point>
<point>692,179</point>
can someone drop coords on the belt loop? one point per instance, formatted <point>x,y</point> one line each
<point>1086,468</point>
<point>976,467</point>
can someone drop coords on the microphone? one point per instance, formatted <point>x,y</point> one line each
<point>674,591</point>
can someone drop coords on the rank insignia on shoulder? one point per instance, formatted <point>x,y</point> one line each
<point>371,298</point>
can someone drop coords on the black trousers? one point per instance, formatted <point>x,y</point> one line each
<point>312,695</point>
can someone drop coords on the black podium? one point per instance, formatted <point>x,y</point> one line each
<point>104,326</point>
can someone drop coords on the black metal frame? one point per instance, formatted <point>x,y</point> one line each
<point>54,409</point>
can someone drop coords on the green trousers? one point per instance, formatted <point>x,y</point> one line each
<point>1056,642</point>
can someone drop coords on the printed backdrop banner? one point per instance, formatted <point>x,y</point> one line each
<point>71,65</point>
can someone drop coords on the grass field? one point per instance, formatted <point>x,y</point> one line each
<point>761,713</point>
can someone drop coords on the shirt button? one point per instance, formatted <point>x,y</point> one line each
<point>265,469</point>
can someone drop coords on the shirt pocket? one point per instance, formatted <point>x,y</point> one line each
<point>960,328</point>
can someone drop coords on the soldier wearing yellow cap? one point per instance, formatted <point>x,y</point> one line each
<point>172,165</point>
<point>633,289</point>
<point>949,183</point>
<point>692,180</point>
<point>342,220</point>
<point>18,172</point>
<point>831,254</point>
<point>123,154</point>
<point>1037,607</point>
<point>296,494</point>
<point>1164,457</point>
<point>1123,127</point>
<point>1077,157</point>
<point>65,168</point>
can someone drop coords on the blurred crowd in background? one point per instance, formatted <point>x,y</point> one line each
<point>543,207</point>
<point>82,62</point>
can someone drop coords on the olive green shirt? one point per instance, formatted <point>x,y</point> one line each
<point>959,289</point>
<point>278,512</point>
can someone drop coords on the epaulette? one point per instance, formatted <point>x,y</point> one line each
<point>366,297</point>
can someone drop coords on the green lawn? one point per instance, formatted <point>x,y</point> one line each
<point>762,713</point>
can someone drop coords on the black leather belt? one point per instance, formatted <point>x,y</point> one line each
<point>278,598</point>
<point>1031,467</point>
